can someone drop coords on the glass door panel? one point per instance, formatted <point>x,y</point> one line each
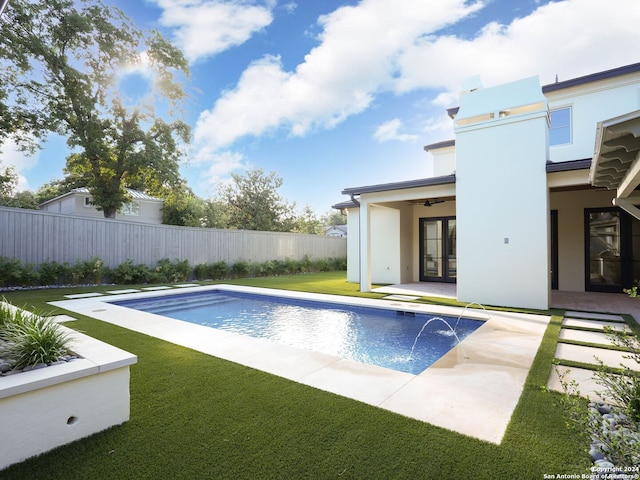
<point>438,249</point>
<point>605,259</point>
<point>635,250</point>
<point>432,248</point>
<point>451,248</point>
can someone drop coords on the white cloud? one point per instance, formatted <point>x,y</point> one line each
<point>12,156</point>
<point>204,28</point>
<point>391,131</point>
<point>376,47</point>
<point>220,166</point>
<point>355,59</point>
<point>290,7</point>
<point>570,38</point>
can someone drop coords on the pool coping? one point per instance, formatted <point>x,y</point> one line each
<point>472,390</point>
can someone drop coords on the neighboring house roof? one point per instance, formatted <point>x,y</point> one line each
<point>341,228</point>
<point>134,194</point>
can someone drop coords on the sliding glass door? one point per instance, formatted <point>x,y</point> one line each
<point>612,239</point>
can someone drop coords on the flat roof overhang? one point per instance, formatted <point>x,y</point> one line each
<point>616,161</point>
<point>551,167</point>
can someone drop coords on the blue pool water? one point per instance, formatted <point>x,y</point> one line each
<point>368,335</point>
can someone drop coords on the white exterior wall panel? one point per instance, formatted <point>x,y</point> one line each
<point>503,244</point>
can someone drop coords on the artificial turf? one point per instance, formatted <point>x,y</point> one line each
<point>194,416</point>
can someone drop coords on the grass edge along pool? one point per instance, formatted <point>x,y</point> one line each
<point>404,341</point>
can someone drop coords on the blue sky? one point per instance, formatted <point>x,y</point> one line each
<point>332,94</point>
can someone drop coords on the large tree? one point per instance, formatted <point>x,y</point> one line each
<point>253,202</point>
<point>65,60</point>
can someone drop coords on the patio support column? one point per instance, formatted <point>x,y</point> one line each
<point>365,245</point>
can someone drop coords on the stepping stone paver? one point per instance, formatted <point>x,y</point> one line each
<point>595,324</point>
<point>83,295</point>
<point>594,316</point>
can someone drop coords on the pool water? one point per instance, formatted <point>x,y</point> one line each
<point>368,335</point>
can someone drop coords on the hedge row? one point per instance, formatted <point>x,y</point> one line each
<point>13,273</point>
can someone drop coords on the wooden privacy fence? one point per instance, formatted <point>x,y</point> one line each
<point>36,237</point>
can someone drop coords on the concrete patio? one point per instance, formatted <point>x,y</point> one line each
<point>582,301</point>
<point>584,310</point>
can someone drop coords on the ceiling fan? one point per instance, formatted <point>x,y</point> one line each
<point>429,203</point>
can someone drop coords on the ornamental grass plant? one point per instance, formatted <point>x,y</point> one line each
<point>615,431</point>
<point>28,339</point>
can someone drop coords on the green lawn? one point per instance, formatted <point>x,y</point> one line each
<point>194,416</point>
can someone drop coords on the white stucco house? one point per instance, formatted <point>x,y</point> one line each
<point>142,208</point>
<point>535,192</point>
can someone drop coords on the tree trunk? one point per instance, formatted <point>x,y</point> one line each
<point>109,213</point>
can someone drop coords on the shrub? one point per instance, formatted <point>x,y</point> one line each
<point>279,267</point>
<point>338,264</point>
<point>128,273</point>
<point>51,273</point>
<point>322,265</point>
<point>240,269</point>
<point>29,339</point>
<point>218,270</point>
<point>617,435</point>
<point>167,271</point>
<point>201,271</point>
<point>11,271</point>
<point>291,266</point>
<point>305,265</point>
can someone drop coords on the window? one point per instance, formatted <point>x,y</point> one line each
<point>560,129</point>
<point>87,202</point>
<point>131,208</point>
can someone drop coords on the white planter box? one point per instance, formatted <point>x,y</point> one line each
<point>43,409</point>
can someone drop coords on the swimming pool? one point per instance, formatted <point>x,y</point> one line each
<point>373,336</point>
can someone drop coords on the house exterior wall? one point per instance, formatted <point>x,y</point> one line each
<point>502,243</point>
<point>591,103</point>
<point>503,190</point>
<point>74,204</point>
<point>571,233</point>
<point>385,244</point>
<point>407,263</point>
<point>353,245</point>
<point>444,161</point>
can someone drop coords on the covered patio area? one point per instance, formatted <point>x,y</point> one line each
<point>582,301</point>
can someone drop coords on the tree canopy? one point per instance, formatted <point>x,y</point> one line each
<point>62,66</point>
<point>253,202</point>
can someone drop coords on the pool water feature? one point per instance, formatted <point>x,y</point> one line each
<point>400,340</point>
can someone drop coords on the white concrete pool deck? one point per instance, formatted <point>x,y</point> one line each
<point>472,390</point>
